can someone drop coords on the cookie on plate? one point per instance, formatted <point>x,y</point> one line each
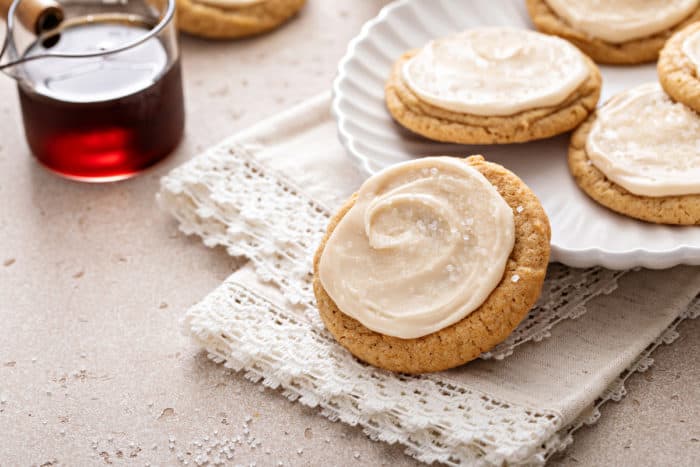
<point>679,65</point>
<point>638,156</point>
<point>614,31</point>
<point>493,85</point>
<point>431,263</point>
<point>229,19</point>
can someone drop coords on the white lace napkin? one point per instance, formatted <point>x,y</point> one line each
<point>267,194</point>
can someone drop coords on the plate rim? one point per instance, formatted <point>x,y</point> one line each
<point>358,158</point>
<point>578,258</point>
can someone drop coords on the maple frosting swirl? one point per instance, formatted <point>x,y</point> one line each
<point>424,245</point>
<point>618,21</point>
<point>496,71</point>
<point>647,144</point>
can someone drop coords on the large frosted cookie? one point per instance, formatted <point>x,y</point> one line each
<point>229,19</point>
<point>679,65</point>
<point>614,31</point>
<point>639,156</point>
<point>432,263</point>
<point>493,85</point>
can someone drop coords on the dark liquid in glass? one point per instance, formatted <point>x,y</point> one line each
<point>103,118</point>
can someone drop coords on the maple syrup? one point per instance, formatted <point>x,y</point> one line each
<point>102,118</point>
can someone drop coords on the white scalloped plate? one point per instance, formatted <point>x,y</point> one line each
<point>583,233</point>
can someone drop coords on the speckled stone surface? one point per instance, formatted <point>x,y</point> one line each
<point>93,281</point>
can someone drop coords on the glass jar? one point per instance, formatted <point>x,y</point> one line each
<point>101,94</point>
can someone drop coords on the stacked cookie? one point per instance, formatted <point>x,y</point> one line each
<point>437,260</point>
<point>639,155</point>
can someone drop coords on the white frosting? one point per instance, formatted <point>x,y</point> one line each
<point>647,144</point>
<point>691,49</point>
<point>424,245</point>
<point>496,71</point>
<point>618,21</point>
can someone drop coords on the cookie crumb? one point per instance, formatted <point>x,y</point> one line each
<point>166,413</point>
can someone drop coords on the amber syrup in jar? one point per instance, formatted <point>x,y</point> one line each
<point>103,118</point>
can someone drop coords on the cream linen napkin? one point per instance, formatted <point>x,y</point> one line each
<point>267,194</point>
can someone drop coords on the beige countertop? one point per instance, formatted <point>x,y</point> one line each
<point>94,278</point>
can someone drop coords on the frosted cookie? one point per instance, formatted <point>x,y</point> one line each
<point>614,31</point>
<point>640,156</point>
<point>493,85</point>
<point>431,263</point>
<point>228,19</point>
<point>679,65</point>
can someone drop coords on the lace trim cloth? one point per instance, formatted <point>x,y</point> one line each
<point>235,202</point>
<point>230,199</point>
